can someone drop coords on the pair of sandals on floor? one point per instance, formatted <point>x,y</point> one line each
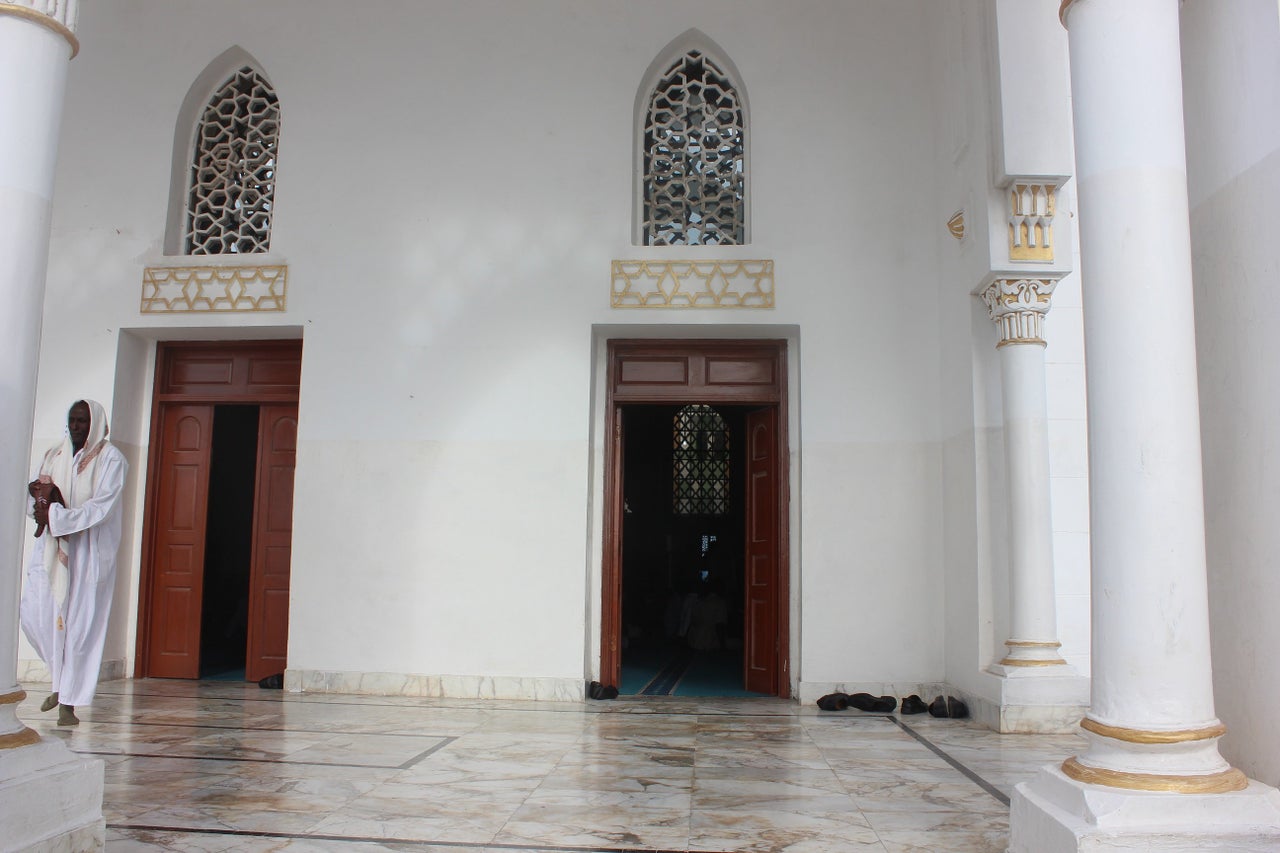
<point>949,707</point>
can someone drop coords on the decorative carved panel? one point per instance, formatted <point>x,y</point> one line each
<point>168,290</point>
<point>692,284</point>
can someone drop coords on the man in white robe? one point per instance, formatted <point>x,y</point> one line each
<point>66,600</point>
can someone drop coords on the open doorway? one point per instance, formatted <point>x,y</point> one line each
<point>228,548</point>
<point>214,594</point>
<point>695,571</point>
<point>683,551</point>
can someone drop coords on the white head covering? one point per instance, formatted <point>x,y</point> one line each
<point>73,474</point>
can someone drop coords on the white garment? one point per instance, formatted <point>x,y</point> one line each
<point>69,639</point>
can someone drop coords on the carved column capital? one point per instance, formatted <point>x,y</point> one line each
<point>58,15</point>
<point>1018,306</point>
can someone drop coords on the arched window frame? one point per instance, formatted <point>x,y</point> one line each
<point>700,475</point>
<point>690,41</point>
<point>186,139</point>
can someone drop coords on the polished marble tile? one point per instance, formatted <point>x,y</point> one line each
<point>211,767</point>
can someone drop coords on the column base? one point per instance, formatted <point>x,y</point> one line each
<point>50,799</point>
<point>1033,700</point>
<point>1056,814</point>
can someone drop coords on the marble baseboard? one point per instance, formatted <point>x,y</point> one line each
<point>434,686</point>
<point>810,691</point>
<point>36,672</point>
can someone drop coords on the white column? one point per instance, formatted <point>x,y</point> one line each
<point>1152,774</point>
<point>1018,306</point>
<point>48,796</point>
<point>1038,691</point>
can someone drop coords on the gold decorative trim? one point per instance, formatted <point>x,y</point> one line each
<point>1034,644</point>
<point>1062,11</point>
<point>45,21</point>
<point>1018,306</point>
<point>13,698</point>
<point>955,225</point>
<point>1214,783</point>
<point>1026,662</point>
<point>1150,736</point>
<point>692,284</point>
<point>26,737</point>
<point>1032,206</point>
<point>218,289</point>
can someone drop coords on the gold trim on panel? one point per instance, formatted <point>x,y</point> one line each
<point>1034,644</point>
<point>955,225</point>
<point>1025,662</point>
<point>1214,783</point>
<point>1150,736</point>
<point>691,284</point>
<point>217,289</point>
<point>45,21</point>
<point>26,737</point>
<point>13,698</point>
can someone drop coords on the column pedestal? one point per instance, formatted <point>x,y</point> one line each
<point>1056,814</point>
<point>50,799</point>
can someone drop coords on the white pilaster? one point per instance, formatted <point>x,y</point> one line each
<point>1039,691</point>
<point>49,798</point>
<point>1152,775</point>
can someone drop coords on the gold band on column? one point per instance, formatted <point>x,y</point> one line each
<point>1062,11</point>
<point>13,698</point>
<point>26,737</point>
<point>44,21</point>
<point>1032,662</point>
<point>1214,783</point>
<point>1034,644</point>
<point>1150,736</point>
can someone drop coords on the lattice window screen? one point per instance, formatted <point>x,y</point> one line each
<point>694,157</point>
<point>234,170</point>
<point>700,462</point>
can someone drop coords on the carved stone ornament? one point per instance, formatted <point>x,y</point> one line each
<point>955,225</point>
<point>1018,306</point>
<point>220,288</point>
<point>1032,205</point>
<point>692,284</point>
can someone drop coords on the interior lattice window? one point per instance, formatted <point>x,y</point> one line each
<point>700,462</point>
<point>233,173</point>
<point>694,160</point>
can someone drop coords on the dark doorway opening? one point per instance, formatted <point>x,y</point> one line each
<point>683,554</point>
<point>228,552</point>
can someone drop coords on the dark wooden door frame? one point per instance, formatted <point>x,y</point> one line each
<point>730,372</point>
<point>276,383</point>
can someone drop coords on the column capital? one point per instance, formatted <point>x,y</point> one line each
<point>1018,306</point>
<point>58,15</point>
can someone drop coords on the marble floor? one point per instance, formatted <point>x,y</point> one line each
<point>212,766</point>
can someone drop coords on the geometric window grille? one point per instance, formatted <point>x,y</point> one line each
<point>700,459</point>
<point>233,174</point>
<point>694,157</point>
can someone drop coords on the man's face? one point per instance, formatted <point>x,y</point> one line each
<point>78,424</point>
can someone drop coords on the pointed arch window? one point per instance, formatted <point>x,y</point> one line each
<point>694,171</point>
<point>233,171</point>
<point>700,462</point>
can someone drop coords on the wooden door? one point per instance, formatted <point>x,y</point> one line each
<point>761,669</point>
<point>272,542</point>
<point>177,574</point>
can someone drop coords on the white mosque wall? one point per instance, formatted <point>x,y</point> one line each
<point>1231,80</point>
<point>454,181</point>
